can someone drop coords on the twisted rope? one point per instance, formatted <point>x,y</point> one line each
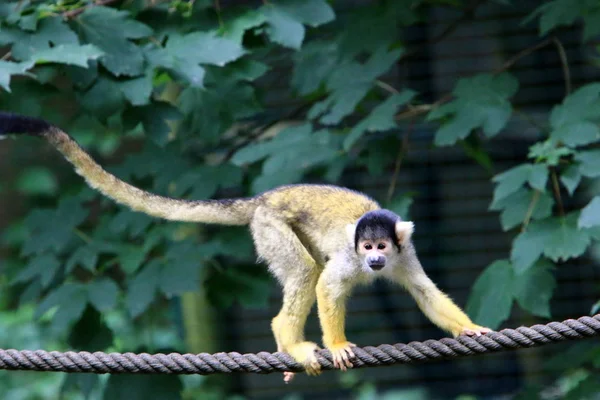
<point>264,363</point>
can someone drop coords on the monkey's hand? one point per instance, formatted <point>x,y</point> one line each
<point>474,330</point>
<point>341,354</point>
<point>305,354</point>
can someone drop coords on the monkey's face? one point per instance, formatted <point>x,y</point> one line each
<point>375,254</point>
<point>378,239</point>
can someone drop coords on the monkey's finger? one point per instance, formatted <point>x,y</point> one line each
<point>337,362</point>
<point>350,352</point>
<point>346,358</point>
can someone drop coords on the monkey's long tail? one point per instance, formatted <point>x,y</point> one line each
<point>225,212</point>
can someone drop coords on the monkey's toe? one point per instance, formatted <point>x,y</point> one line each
<point>306,354</point>
<point>475,330</point>
<point>288,376</point>
<point>342,354</point>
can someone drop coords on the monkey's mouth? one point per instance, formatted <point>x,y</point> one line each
<point>376,267</point>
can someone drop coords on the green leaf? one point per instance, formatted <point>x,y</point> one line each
<point>381,118</point>
<point>548,153</point>
<point>203,48</point>
<point>270,181</point>
<point>138,90</point>
<point>131,223</point>
<point>131,257</point>
<point>381,22</point>
<point>51,31</point>
<point>515,207</point>
<point>51,230</point>
<point>534,288</point>
<point>570,178</point>
<point>181,272</point>
<point>350,84</point>
<point>36,181</point>
<point>183,54</point>
<point>102,294</point>
<point>510,181</point>
<point>529,246</point>
<point>9,68</point>
<point>590,214</point>
<point>312,65</point>
<point>286,19</point>
<point>142,288</point>
<point>97,26</point>
<point>538,177</point>
<point>480,102</point>
<point>86,256</point>
<point>557,13</point>
<point>283,28</point>
<point>155,118</point>
<point>71,54</point>
<point>590,163</point>
<point>513,179</point>
<point>235,27</point>
<point>581,105</point>
<point>491,298</point>
<point>44,267</point>
<point>71,300</point>
<point>104,98</point>
<point>142,387</point>
<point>577,133</point>
<point>286,139</point>
<point>309,12</point>
<point>557,238</point>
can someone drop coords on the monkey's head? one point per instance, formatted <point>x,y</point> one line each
<point>379,237</point>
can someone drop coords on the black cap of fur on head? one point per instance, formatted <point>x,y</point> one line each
<point>15,124</point>
<point>375,225</point>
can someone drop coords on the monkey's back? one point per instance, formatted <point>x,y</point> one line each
<point>321,207</point>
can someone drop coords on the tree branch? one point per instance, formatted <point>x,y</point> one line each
<point>401,153</point>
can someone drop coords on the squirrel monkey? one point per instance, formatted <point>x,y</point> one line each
<point>318,241</point>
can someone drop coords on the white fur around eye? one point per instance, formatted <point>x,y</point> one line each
<point>404,231</point>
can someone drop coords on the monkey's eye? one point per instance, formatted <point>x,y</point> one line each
<point>381,246</point>
<point>368,246</point>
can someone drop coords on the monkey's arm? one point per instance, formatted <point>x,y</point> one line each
<point>434,303</point>
<point>332,293</point>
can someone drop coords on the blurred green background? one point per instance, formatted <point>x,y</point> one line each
<point>478,120</point>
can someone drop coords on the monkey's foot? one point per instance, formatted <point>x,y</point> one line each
<point>306,354</point>
<point>475,330</point>
<point>341,354</point>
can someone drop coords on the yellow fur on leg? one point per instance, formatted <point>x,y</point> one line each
<point>331,314</point>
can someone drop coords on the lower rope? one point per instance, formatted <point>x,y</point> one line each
<point>264,363</point>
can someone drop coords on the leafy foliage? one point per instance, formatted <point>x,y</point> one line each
<point>480,102</point>
<point>198,99</point>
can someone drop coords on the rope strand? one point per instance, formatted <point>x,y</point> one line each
<point>265,363</point>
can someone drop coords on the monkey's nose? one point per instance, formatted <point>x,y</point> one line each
<point>376,262</point>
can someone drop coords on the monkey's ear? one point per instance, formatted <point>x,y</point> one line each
<point>404,231</point>
<point>351,232</point>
